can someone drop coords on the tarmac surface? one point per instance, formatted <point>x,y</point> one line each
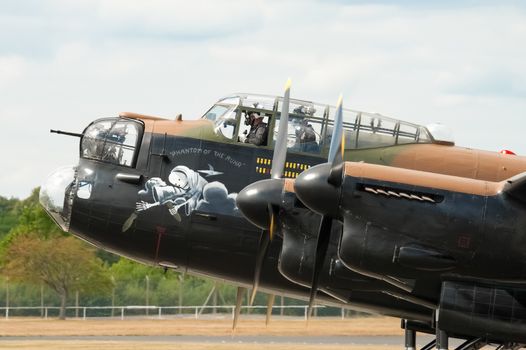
<point>263,339</point>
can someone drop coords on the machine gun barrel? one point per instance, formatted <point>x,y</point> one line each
<point>60,132</point>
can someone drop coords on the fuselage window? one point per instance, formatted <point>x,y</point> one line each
<point>112,141</point>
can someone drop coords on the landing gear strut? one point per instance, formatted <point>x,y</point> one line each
<point>410,339</point>
<point>441,341</point>
<point>411,328</point>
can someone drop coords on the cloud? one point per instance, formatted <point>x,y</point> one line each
<point>12,67</point>
<point>64,63</point>
<point>497,83</point>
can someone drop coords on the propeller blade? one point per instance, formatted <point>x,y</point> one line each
<point>280,147</point>
<point>270,304</point>
<point>336,151</point>
<point>337,132</point>
<point>241,291</point>
<point>278,165</point>
<point>273,212</point>
<point>264,242</point>
<point>337,148</point>
<point>322,245</point>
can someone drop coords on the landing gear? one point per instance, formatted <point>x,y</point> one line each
<point>410,339</point>
<point>430,345</point>
<point>441,341</point>
<point>411,328</point>
<point>472,344</point>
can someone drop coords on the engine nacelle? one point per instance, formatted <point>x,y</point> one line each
<point>378,252</point>
<point>299,228</point>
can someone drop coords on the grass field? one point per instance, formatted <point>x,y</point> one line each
<point>205,327</point>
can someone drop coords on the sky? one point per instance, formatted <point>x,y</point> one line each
<point>66,63</point>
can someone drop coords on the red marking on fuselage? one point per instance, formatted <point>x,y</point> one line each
<point>160,232</point>
<point>464,242</point>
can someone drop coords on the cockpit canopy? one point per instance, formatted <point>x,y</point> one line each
<point>311,124</point>
<point>112,140</point>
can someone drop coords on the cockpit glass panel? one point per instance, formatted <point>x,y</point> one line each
<point>350,118</point>
<point>226,125</point>
<point>423,135</point>
<point>361,129</point>
<point>441,133</point>
<point>98,130</point>
<point>224,118</point>
<point>319,110</point>
<point>217,111</point>
<point>303,134</point>
<point>259,102</point>
<point>350,122</point>
<point>93,140</point>
<point>125,133</point>
<point>230,100</point>
<point>303,108</point>
<point>407,134</point>
<point>118,154</point>
<point>113,141</point>
<point>375,131</point>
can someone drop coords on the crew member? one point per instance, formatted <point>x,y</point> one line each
<point>305,136</point>
<point>258,130</point>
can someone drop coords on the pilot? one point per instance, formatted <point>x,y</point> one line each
<point>258,130</point>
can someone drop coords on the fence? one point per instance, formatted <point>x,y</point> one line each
<point>158,312</point>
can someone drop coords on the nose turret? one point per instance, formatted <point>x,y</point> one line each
<point>57,194</point>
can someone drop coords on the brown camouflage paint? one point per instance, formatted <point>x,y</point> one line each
<point>433,158</point>
<point>423,179</point>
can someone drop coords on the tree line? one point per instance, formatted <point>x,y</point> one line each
<point>40,264</point>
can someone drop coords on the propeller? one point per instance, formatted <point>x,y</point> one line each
<point>241,291</point>
<point>337,148</point>
<point>280,148</point>
<point>276,173</point>
<point>264,243</point>
<point>270,304</point>
<point>335,178</point>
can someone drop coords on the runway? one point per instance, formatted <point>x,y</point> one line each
<point>258,339</point>
<point>367,333</point>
